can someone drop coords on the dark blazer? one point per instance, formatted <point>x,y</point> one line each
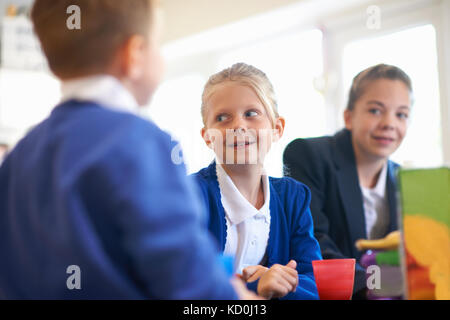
<point>327,166</point>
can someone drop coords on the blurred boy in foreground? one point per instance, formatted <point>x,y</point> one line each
<point>91,204</point>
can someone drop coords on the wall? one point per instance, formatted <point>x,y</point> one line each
<point>185,17</point>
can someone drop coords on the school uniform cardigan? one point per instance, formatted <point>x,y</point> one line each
<point>291,227</point>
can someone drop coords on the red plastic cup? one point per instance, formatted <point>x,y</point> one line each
<point>334,278</point>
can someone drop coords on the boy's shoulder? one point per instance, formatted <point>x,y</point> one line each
<point>83,129</point>
<point>93,110</point>
<point>85,118</point>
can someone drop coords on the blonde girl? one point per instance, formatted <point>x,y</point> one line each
<point>263,222</point>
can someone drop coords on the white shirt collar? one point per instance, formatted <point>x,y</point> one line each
<point>237,208</point>
<point>380,188</point>
<point>102,89</point>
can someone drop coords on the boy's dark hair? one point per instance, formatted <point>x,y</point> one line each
<point>365,77</point>
<point>105,26</point>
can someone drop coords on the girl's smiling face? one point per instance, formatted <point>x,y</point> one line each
<point>379,119</point>
<point>237,125</point>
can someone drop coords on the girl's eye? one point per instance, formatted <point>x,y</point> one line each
<point>221,117</point>
<point>375,111</point>
<point>251,113</point>
<point>402,115</point>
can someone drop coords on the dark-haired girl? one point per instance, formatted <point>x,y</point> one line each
<point>350,175</point>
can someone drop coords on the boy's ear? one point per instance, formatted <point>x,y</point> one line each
<point>133,57</point>
<point>348,119</point>
<point>279,128</point>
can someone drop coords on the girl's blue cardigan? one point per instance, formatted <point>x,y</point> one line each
<point>291,227</point>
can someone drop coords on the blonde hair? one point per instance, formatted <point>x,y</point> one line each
<point>246,75</point>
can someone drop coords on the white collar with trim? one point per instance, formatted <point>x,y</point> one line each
<point>237,208</point>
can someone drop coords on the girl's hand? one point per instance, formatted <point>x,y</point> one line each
<point>242,291</point>
<point>278,281</point>
<point>253,273</point>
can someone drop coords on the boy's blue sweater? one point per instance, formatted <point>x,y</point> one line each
<point>97,189</point>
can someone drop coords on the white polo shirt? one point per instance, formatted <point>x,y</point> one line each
<point>376,207</point>
<point>247,227</point>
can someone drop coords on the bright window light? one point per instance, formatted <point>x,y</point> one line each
<point>26,98</point>
<point>175,108</point>
<point>414,51</point>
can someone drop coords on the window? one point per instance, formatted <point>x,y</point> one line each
<point>176,108</point>
<point>26,98</point>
